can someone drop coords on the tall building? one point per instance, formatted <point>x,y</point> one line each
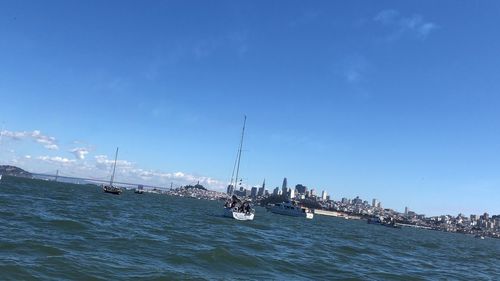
<point>284,187</point>
<point>406,211</point>
<point>261,189</point>
<point>323,195</point>
<point>374,203</point>
<point>253,192</point>
<point>291,193</point>
<point>301,189</point>
<point>276,191</point>
<point>312,192</point>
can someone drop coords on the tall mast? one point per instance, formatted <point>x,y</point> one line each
<point>114,167</point>
<point>239,151</point>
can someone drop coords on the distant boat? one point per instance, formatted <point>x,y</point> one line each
<point>111,188</point>
<point>389,222</point>
<point>291,208</point>
<point>139,190</point>
<point>235,208</point>
<point>479,236</point>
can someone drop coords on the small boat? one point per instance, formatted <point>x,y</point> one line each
<point>291,208</point>
<point>479,236</point>
<point>389,222</point>
<point>111,188</point>
<point>239,210</point>
<point>139,190</point>
<point>235,208</point>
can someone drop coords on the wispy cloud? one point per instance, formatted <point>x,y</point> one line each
<point>80,152</point>
<point>97,167</point>
<point>102,161</point>
<point>353,68</point>
<point>47,141</point>
<point>400,24</point>
<point>56,160</point>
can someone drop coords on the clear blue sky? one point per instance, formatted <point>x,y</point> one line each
<point>395,100</point>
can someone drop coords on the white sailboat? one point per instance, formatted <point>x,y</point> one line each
<point>111,188</point>
<point>235,208</point>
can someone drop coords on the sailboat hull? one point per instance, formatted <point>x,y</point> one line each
<point>241,216</point>
<point>111,189</point>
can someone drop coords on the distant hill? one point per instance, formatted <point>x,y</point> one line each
<point>7,170</point>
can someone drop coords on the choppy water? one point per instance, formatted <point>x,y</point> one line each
<point>56,231</point>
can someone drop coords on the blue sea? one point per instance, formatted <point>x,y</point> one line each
<point>58,231</point>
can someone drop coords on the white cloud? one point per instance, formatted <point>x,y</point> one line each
<point>47,141</point>
<point>56,160</point>
<point>80,152</point>
<point>415,24</point>
<point>102,161</point>
<point>27,156</point>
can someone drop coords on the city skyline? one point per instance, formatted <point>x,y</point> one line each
<point>391,100</point>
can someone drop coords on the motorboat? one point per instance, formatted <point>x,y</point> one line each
<point>291,208</point>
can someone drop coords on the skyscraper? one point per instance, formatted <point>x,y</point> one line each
<point>374,203</point>
<point>323,195</point>
<point>284,187</point>
<point>301,189</point>
<point>253,193</point>
<point>261,189</point>
<point>276,191</point>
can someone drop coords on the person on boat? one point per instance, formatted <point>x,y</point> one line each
<point>248,208</point>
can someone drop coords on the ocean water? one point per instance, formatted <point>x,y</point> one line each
<point>57,231</point>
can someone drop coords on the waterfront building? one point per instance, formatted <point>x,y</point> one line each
<point>301,189</point>
<point>323,195</point>
<point>357,201</point>
<point>276,191</point>
<point>406,211</point>
<point>374,203</point>
<point>345,200</point>
<point>261,189</point>
<point>253,193</point>
<point>291,193</point>
<point>284,186</point>
<point>260,192</point>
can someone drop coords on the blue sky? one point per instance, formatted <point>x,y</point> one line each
<point>393,100</point>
